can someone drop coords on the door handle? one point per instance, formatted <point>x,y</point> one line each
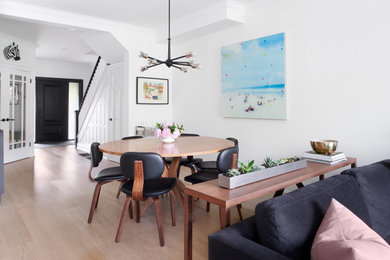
<point>7,119</point>
<point>110,119</point>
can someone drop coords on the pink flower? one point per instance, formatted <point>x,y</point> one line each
<point>157,132</point>
<point>176,133</point>
<point>166,133</point>
<point>166,124</point>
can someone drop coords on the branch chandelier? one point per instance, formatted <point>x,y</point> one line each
<point>175,62</point>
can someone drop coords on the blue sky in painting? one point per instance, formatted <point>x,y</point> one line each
<point>254,64</point>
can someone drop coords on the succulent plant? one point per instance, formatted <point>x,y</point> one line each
<point>232,172</point>
<point>248,167</point>
<point>268,162</point>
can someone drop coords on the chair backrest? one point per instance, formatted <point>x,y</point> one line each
<point>234,140</point>
<point>188,134</point>
<point>96,154</point>
<point>132,137</point>
<point>225,158</point>
<point>153,164</point>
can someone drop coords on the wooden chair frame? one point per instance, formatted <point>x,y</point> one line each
<point>137,196</point>
<point>96,194</point>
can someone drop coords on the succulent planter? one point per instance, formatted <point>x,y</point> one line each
<point>243,179</point>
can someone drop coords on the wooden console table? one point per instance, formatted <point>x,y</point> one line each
<point>225,198</point>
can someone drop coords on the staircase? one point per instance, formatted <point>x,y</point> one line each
<point>97,72</point>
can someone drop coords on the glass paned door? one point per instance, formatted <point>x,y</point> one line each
<point>15,111</point>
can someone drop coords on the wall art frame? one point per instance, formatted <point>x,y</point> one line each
<point>152,91</point>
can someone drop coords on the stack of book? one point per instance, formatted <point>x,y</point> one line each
<point>335,158</point>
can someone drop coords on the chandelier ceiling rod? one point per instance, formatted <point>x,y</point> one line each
<point>181,65</point>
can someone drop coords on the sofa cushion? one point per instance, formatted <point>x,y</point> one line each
<point>374,181</point>
<point>288,224</point>
<point>342,235</point>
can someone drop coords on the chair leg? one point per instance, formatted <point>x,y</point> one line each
<point>98,196</point>
<point>172,208</point>
<point>137,212</point>
<point>94,201</point>
<point>159,220</point>
<point>239,206</point>
<point>178,172</point>
<point>131,210</point>
<point>122,219</point>
<point>119,189</point>
<point>208,207</point>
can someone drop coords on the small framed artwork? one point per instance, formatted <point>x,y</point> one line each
<point>152,91</point>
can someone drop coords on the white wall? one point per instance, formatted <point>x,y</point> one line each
<point>147,115</point>
<point>337,66</point>
<point>64,69</point>
<point>26,51</point>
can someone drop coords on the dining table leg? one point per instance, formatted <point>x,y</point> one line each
<point>179,188</point>
<point>187,227</point>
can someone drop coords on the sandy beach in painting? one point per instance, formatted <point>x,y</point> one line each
<point>252,78</point>
<point>252,103</point>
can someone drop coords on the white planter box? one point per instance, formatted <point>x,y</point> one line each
<point>243,179</point>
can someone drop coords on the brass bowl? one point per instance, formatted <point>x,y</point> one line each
<point>327,147</point>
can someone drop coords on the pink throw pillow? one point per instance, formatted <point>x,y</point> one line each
<point>342,235</point>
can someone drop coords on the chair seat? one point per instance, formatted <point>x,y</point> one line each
<point>110,174</point>
<point>202,176</point>
<point>207,165</point>
<point>152,188</point>
<point>185,161</point>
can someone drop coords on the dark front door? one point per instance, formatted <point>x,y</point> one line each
<point>51,110</point>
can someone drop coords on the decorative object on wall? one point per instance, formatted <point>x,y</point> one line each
<point>12,51</point>
<point>253,82</point>
<point>181,65</point>
<point>152,91</point>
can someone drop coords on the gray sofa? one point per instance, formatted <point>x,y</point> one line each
<point>284,227</point>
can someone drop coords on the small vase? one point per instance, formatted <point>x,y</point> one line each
<point>167,140</point>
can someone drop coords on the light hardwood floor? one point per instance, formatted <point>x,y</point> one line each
<point>44,211</point>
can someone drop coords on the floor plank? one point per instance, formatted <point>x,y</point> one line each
<point>44,211</point>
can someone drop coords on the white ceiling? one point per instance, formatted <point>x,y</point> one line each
<point>146,13</point>
<point>60,43</point>
<point>53,42</point>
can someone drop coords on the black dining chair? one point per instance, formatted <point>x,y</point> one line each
<point>104,176</point>
<point>132,137</point>
<point>226,160</point>
<point>144,171</point>
<point>212,165</point>
<point>188,162</point>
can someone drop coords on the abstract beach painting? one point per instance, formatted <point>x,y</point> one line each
<point>253,80</point>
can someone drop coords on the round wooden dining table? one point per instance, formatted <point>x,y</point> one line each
<point>183,146</point>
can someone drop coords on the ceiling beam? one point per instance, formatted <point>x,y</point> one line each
<point>220,16</point>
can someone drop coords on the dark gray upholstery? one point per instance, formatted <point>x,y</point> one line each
<point>285,226</point>
<point>188,161</point>
<point>153,168</point>
<point>152,188</point>
<point>288,224</point>
<point>153,164</point>
<point>374,181</point>
<point>224,162</point>
<point>239,241</point>
<point>96,155</point>
<point>132,137</point>
<point>109,174</point>
<point>212,165</point>
<point>224,159</point>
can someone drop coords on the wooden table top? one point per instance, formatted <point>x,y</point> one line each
<point>183,146</point>
<point>211,192</point>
